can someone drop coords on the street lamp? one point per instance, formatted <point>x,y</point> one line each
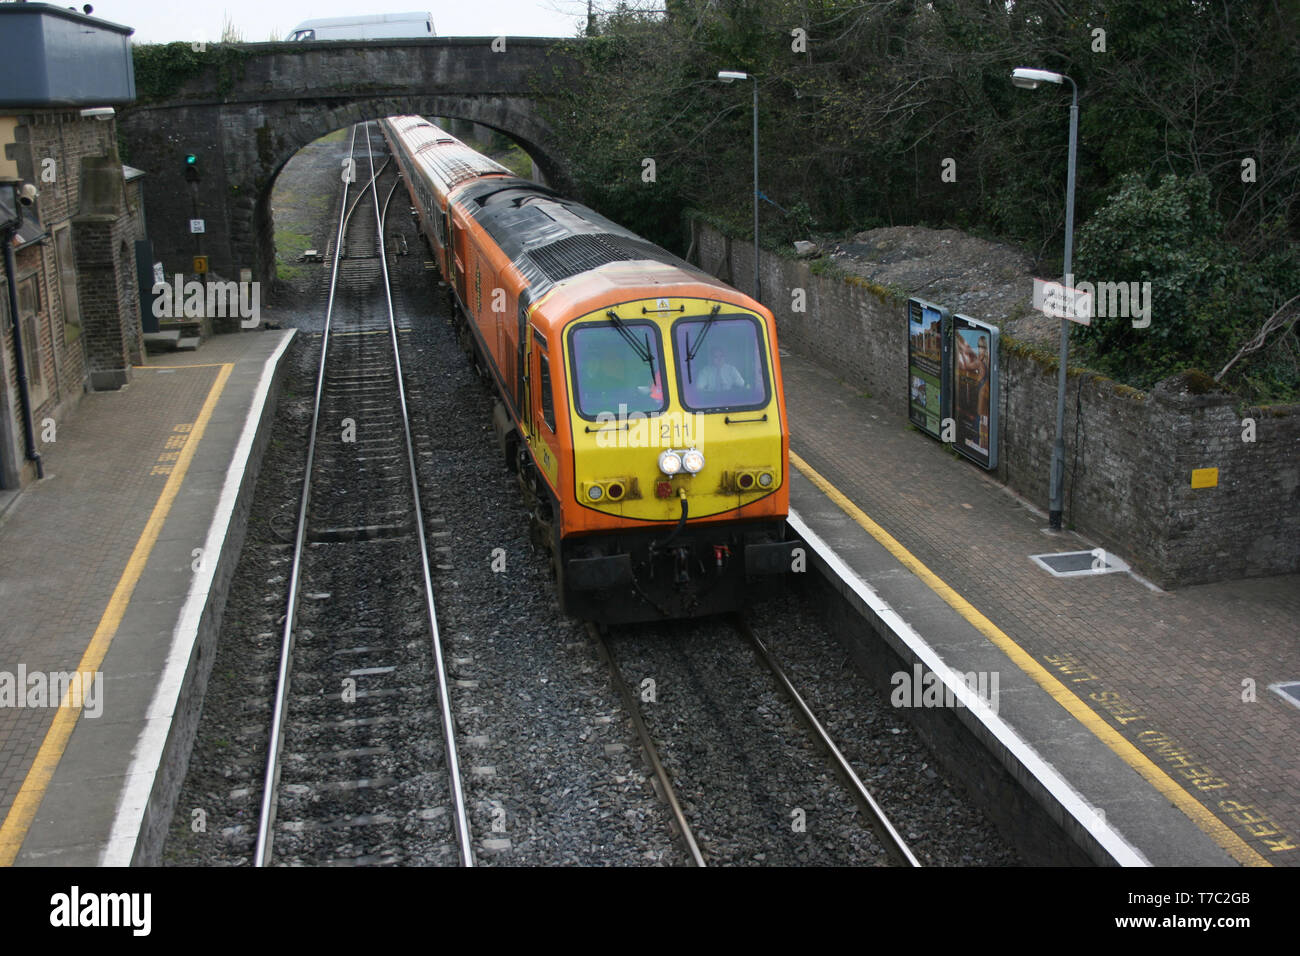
<point>727,76</point>
<point>1028,79</point>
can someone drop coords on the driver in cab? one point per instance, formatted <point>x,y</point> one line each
<point>719,375</point>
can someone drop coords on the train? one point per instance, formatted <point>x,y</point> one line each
<point>638,398</point>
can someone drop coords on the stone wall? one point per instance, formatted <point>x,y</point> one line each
<point>1129,454</point>
<point>246,120</point>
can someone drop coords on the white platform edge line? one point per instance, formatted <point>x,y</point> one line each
<point>140,777</point>
<point>1074,803</point>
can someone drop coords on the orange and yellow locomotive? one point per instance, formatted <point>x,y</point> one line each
<point>639,398</point>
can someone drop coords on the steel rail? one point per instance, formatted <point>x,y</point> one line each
<point>444,700</point>
<point>884,830</point>
<point>388,200</point>
<point>271,781</point>
<point>347,219</point>
<point>647,744</point>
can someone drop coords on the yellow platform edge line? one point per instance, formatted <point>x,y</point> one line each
<point>168,368</point>
<point>23,811</point>
<point>1213,827</point>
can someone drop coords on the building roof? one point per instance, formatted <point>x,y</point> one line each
<point>55,57</point>
<point>65,13</point>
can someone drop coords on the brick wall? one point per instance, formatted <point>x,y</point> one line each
<point>50,147</point>
<point>1129,454</point>
<point>11,427</point>
<point>94,345</point>
<point>106,286</point>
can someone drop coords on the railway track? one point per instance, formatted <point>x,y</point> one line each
<point>551,775</point>
<point>697,848</point>
<point>362,765</point>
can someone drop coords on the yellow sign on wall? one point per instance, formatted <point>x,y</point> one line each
<point>1205,477</point>
<point>201,265</point>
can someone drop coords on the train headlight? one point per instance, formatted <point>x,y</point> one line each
<point>693,461</point>
<point>595,492</point>
<point>670,463</point>
<point>765,479</point>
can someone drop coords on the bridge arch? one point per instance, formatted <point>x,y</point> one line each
<point>244,128</point>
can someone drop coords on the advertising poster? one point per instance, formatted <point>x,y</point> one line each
<point>975,389</point>
<point>926,402</point>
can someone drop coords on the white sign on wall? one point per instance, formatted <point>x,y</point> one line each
<point>1062,302</point>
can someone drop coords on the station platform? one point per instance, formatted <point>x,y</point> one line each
<point>115,566</point>
<point>1120,704</point>
<point>1142,717</point>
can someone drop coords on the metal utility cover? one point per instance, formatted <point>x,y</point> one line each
<point>1289,692</point>
<point>1068,564</point>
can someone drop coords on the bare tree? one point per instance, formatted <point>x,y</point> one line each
<point>1283,318</point>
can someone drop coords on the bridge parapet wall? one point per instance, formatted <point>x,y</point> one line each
<point>255,105</point>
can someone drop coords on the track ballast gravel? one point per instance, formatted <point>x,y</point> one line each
<point>552,773</point>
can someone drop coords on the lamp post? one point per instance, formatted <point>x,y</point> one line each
<point>727,76</point>
<point>1029,80</point>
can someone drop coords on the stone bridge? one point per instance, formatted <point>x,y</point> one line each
<point>257,104</point>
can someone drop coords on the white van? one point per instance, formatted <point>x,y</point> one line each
<point>381,26</point>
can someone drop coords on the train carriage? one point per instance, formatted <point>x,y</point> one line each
<point>640,399</point>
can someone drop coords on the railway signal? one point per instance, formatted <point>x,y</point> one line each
<point>197,225</point>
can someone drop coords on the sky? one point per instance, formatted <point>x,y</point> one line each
<point>162,21</point>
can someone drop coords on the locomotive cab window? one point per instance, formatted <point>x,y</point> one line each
<point>721,365</point>
<point>617,368</point>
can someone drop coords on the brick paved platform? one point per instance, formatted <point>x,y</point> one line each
<point>115,564</point>
<point>1154,706</point>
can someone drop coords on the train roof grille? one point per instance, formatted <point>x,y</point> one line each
<point>572,255</point>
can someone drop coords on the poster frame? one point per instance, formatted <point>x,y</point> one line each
<point>917,307</point>
<point>960,443</point>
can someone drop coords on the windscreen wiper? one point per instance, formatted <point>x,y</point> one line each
<point>692,352</point>
<point>643,352</point>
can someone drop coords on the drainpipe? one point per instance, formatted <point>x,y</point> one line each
<point>7,233</point>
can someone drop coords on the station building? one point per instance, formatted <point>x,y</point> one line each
<point>70,218</point>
